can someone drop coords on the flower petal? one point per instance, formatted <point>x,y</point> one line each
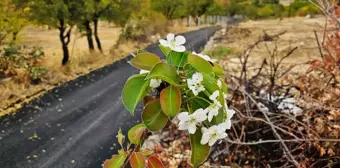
<point>143,71</point>
<point>179,40</point>
<point>164,43</point>
<point>179,48</point>
<point>155,83</point>
<point>190,82</point>
<point>197,77</point>
<point>223,135</point>
<point>214,95</point>
<point>183,126</point>
<point>230,113</point>
<point>205,139</point>
<point>212,141</point>
<point>204,130</point>
<point>183,116</point>
<point>192,128</point>
<point>221,128</point>
<point>170,37</point>
<point>210,116</point>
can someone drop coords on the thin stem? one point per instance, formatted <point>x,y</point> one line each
<point>197,97</point>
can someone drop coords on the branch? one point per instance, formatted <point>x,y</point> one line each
<point>68,35</point>
<point>277,141</point>
<point>273,129</point>
<point>136,148</point>
<point>319,46</point>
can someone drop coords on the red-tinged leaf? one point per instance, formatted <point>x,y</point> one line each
<point>170,99</point>
<point>135,133</point>
<point>153,116</point>
<point>155,162</point>
<point>137,160</point>
<point>145,61</point>
<point>199,152</point>
<point>115,162</point>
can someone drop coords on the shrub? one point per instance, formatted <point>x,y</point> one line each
<point>143,25</point>
<point>250,12</point>
<point>265,12</point>
<point>219,52</point>
<point>22,63</point>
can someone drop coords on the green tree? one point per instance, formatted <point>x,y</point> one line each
<point>60,14</point>
<point>171,9</point>
<point>197,8</point>
<point>12,20</point>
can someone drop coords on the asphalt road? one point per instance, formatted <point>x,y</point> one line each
<point>75,125</point>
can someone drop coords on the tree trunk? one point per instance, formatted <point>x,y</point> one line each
<point>65,40</point>
<point>99,45</point>
<point>15,35</point>
<point>89,34</point>
<point>66,55</point>
<point>196,20</point>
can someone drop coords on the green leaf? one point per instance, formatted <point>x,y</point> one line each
<point>133,91</point>
<point>155,162</point>
<point>217,69</point>
<point>135,133</point>
<point>210,83</point>
<point>178,59</point>
<point>219,118</point>
<point>153,116</point>
<point>200,64</point>
<point>145,61</point>
<point>224,86</point>
<point>142,51</point>
<point>165,50</point>
<point>198,102</point>
<point>115,162</point>
<point>189,70</point>
<point>137,160</point>
<point>199,152</point>
<point>170,99</point>
<point>165,72</point>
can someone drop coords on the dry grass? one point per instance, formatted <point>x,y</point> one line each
<point>299,33</point>
<point>13,93</point>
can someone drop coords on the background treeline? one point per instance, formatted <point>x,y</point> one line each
<point>139,19</point>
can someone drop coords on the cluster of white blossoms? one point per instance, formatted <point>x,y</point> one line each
<point>190,121</point>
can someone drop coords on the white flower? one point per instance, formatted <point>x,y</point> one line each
<point>154,83</point>
<point>213,109</point>
<point>213,134</point>
<point>214,96</point>
<point>230,114</point>
<point>143,71</point>
<point>174,43</point>
<point>188,121</point>
<point>207,58</point>
<point>195,83</point>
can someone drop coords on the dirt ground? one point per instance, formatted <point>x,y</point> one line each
<point>297,32</point>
